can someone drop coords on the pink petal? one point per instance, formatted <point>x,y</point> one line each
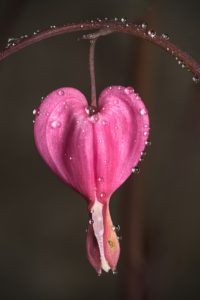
<point>94,154</point>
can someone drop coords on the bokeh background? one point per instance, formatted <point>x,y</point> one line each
<point>42,221</point>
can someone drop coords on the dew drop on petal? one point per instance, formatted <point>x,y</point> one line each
<point>143,112</point>
<point>55,124</point>
<point>145,133</point>
<point>100,179</point>
<point>94,118</point>
<point>135,170</point>
<point>128,90</point>
<point>34,111</point>
<point>116,228</point>
<point>102,195</point>
<point>91,221</point>
<point>61,92</point>
<point>115,272</point>
<point>148,143</point>
<point>104,122</point>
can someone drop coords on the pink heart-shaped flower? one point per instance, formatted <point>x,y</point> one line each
<point>93,151</point>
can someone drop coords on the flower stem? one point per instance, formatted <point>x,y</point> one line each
<point>107,26</point>
<point>92,72</point>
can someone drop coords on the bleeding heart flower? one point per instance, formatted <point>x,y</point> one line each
<point>94,151</point>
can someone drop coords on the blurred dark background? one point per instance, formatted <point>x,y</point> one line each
<point>43,222</point>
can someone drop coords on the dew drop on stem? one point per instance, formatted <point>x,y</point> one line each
<point>151,33</point>
<point>165,36</point>
<point>195,79</point>
<point>144,25</point>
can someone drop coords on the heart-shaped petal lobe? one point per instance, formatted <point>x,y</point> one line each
<point>93,151</point>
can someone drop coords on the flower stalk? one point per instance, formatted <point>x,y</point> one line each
<point>122,26</point>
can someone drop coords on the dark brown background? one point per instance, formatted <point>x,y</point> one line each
<point>43,222</point>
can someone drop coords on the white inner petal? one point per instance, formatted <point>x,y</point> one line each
<point>98,227</point>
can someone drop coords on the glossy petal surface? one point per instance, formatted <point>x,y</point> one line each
<point>94,154</point>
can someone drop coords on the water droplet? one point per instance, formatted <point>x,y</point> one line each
<point>104,122</point>
<point>180,62</point>
<point>119,238</point>
<point>61,92</point>
<point>144,25</point>
<point>143,112</point>
<point>100,179</point>
<point>106,19</point>
<point>102,195</point>
<point>91,221</point>
<point>145,133</point>
<point>82,25</point>
<point>70,158</point>
<point>148,143</point>
<point>115,19</point>
<point>36,32</point>
<point>115,272</point>
<point>128,90</point>
<point>127,25</point>
<point>151,33</point>
<point>136,170</point>
<point>123,20</point>
<point>143,154</point>
<point>195,79</point>
<point>165,36</point>
<point>55,124</point>
<point>116,228</point>
<point>183,66</point>
<point>116,101</point>
<point>99,20</point>
<point>33,121</point>
<point>53,26</point>
<point>11,40</point>
<point>90,110</point>
<point>94,118</point>
<point>34,111</point>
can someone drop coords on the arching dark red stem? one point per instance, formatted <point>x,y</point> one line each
<point>138,30</point>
